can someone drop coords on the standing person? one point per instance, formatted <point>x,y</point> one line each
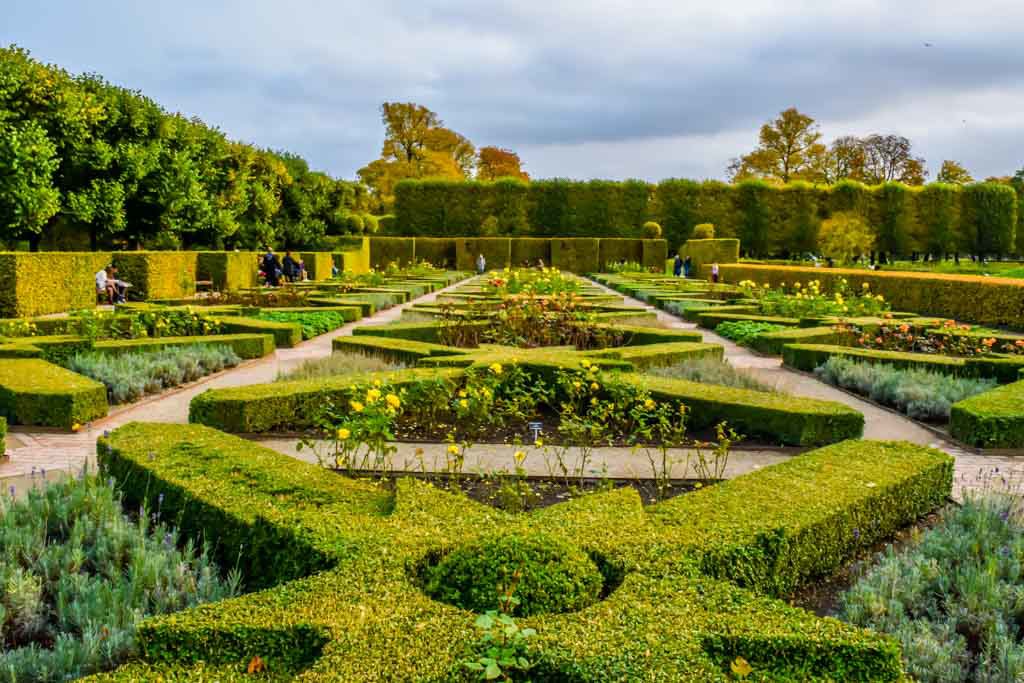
<point>289,266</point>
<point>677,266</point>
<point>271,268</point>
<point>688,266</point>
<point>481,264</point>
<point>300,271</point>
<point>714,273</point>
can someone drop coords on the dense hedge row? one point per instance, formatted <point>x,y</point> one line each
<point>35,392</point>
<point>228,271</point>
<point>574,255</point>
<point>54,282</point>
<point>767,219</point>
<point>157,274</point>
<point>969,298</point>
<point>680,613</point>
<point>992,419</point>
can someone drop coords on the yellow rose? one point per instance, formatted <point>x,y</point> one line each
<point>356,406</point>
<point>343,434</point>
<point>496,368</point>
<point>594,386</point>
<point>75,427</point>
<point>538,443</point>
<point>464,403</point>
<point>453,450</point>
<point>372,395</point>
<point>520,456</point>
<point>649,404</point>
<point>393,401</point>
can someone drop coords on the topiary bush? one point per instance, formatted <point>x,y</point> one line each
<point>703,231</point>
<point>547,575</point>
<point>354,223</point>
<point>652,230</point>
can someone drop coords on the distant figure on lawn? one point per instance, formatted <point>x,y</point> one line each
<point>714,273</point>
<point>271,268</point>
<point>481,264</point>
<point>290,267</point>
<point>677,266</point>
<point>687,266</point>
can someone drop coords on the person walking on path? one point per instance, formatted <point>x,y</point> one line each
<point>271,268</point>
<point>714,273</point>
<point>687,266</point>
<point>677,266</point>
<point>481,264</point>
<point>290,267</point>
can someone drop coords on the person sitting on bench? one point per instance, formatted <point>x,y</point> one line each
<point>105,287</point>
<point>120,286</point>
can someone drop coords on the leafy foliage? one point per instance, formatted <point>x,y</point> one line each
<point>743,331</point>
<point>845,237</point>
<point>921,394</point>
<point>952,600</point>
<point>79,575</point>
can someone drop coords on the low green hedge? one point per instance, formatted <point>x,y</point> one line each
<point>772,343</point>
<point>677,613</point>
<point>778,418</point>
<point>423,332</point>
<point>711,319</point>
<point>286,335</point>
<point>349,313</point>
<point>659,355</point>
<point>56,348</point>
<point>692,314</point>
<point>993,419</point>
<point>3,435</point>
<point>391,349</point>
<point>247,346</point>
<point>284,406</point>
<point>365,306</point>
<point>635,335</point>
<point>34,392</point>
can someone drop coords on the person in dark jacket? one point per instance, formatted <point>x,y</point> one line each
<point>290,267</point>
<point>687,266</point>
<point>677,266</point>
<point>271,268</point>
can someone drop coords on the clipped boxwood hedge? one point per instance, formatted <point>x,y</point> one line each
<point>497,252</point>
<point>319,264</point>
<point>576,254</point>
<point>34,392</point>
<point>660,355</point>
<point>39,283</point>
<point>698,573</point>
<point>387,250</point>
<point>992,419</point>
<point>971,298</point>
<point>228,271</point>
<point>286,335</point>
<point>708,252</point>
<point>157,274</point>
<point>392,349</point>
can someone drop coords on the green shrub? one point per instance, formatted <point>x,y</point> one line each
<point>576,255</point>
<point>354,223</point>
<point>921,394</point>
<point>651,230</point>
<point>497,252</point>
<point>130,376</point>
<point>229,271</point>
<point>845,236</point>
<point>286,333</point>
<point>530,251</point>
<point>48,282</point>
<point>387,250</point>
<point>391,349</point>
<point>705,253</point>
<point>362,613</point>
<point>950,600</point>
<point>703,231</point>
<point>34,392</point>
<point>545,575</point>
<point>247,346</point>
<point>79,575</point>
<point>313,323</point>
<point>319,264</point>
<point>743,332</point>
<point>157,274</point>
<point>994,419</point>
<point>619,251</point>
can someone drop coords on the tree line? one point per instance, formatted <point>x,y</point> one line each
<point>86,164</point>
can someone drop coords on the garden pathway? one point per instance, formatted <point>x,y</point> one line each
<point>974,471</point>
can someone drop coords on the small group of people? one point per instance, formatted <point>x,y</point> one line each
<point>289,268</point>
<point>109,288</point>
<point>682,267</point>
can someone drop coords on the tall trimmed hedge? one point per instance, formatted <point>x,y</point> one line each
<point>157,274</point>
<point>387,250</point>
<point>497,252</point>
<point>228,270</point>
<point>48,282</point>
<point>319,264</point>
<point>766,218</point>
<point>438,251</point>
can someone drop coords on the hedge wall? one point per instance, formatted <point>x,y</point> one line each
<point>228,270</point>
<point>969,298</point>
<point>708,252</point>
<point>339,559</point>
<point>497,252</point>
<point>766,218</point>
<point>576,255</point>
<point>438,251</point>
<point>319,264</point>
<point>157,274</point>
<point>48,282</point>
<point>611,251</point>
<point>992,419</point>
<point>528,251</point>
<point>387,250</point>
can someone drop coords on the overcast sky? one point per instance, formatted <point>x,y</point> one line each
<point>580,88</point>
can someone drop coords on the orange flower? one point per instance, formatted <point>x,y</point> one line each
<point>904,328</point>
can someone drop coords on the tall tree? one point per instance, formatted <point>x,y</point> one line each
<point>953,173</point>
<point>494,162</point>
<point>416,145</point>
<point>789,148</point>
<point>890,158</point>
<point>845,160</point>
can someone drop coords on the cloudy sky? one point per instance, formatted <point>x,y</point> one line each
<point>580,88</point>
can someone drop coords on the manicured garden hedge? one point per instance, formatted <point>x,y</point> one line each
<point>34,392</point>
<point>767,219</point>
<point>778,418</point>
<point>497,252</point>
<point>319,264</point>
<point>970,298</point>
<point>528,251</point>
<point>1003,368</point>
<point>709,252</point>
<point>157,274</point>
<point>228,271</point>
<point>387,250</point>
<point>576,255</point>
<point>48,282</point>
<point>438,251</point>
<point>283,406</point>
<point>661,354</point>
<point>677,615</point>
<point>391,348</point>
<point>286,335</point>
<point>992,419</point>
